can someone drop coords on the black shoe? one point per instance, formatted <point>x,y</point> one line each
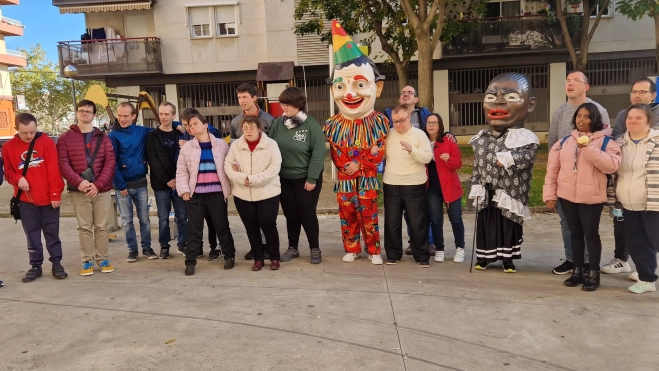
<point>58,272</point>
<point>564,268</point>
<point>132,256</point>
<point>509,267</point>
<point>189,270</point>
<point>164,253</point>
<point>181,250</point>
<point>214,254</point>
<point>249,255</point>
<point>408,250</point>
<point>592,282</point>
<point>149,253</point>
<point>425,264</point>
<point>392,261</point>
<point>2,283</point>
<point>586,269</point>
<point>481,265</point>
<point>229,263</point>
<point>316,256</point>
<point>32,274</point>
<point>575,279</point>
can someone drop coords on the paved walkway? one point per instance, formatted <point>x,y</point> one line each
<point>334,316</point>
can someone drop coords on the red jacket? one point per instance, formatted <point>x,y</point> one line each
<point>448,176</point>
<point>43,174</point>
<point>73,160</point>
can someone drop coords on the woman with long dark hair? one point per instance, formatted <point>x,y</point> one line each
<point>444,188</point>
<point>576,177</point>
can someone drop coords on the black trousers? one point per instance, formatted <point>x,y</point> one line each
<point>584,222</point>
<point>299,207</point>
<point>260,216</point>
<point>620,251</point>
<point>413,200</point>
<point>642,239</point>
<point>212,204</point>
<point>212,234</point>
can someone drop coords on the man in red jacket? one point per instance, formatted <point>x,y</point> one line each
<point>41,194</point>
<point>90,184</point>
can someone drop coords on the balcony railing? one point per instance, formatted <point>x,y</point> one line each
<point>11,22</point>
<point>111,57</point>
<point>505,35</point>
<point>15,53</point>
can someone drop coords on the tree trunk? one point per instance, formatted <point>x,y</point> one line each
<point>656,39</point>
<point>401,71</point>
<point>425,71</point>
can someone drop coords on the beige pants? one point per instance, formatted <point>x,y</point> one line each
<point>92,216</point>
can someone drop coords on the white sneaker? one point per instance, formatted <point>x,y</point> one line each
<point>633,276</point>
<point>459,255</point>
<point>616,266</point>
<point>349,257</point>
<point>439,256</point>
<point>641,287</point>
<point>375,259</point>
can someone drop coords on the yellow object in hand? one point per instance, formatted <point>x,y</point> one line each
<point>583,140</point>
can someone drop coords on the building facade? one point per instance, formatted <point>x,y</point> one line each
<point>8,58</point>
<point>195,53</point>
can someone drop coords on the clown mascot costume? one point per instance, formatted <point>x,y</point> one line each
<point>357,138</point>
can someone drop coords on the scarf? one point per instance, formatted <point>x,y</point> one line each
<point>295,121</point>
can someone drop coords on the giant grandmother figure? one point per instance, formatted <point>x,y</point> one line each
<point>357,138</point>
<point>501,180</point>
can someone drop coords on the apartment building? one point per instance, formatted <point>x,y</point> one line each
<point>194,53</point>
<point>8,58</point>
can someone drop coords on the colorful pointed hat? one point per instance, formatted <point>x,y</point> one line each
<point>344,48</point>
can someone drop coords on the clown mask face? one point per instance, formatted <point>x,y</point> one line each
<point>354,90</point>
<point>506,105</point>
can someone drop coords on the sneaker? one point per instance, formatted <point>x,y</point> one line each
<point>106,267</point>
<point>316,256</point>
<point>481,265</point>
<point>189,270</point>
<point>181,250</point>
<point>616,266</point>
<point>425,264</point>
<point>249,255</point>
<point>432,249</point>
<point>392,261</point>
<point>32,274</point>
<point>633,276</point>
<point>459,255</point>
<point>229,263</point>
<point>439,256</point>
<point>349,257</point>
<point>290,254</point>
<point>58,272</point>
<point>2,283</point>
<point>509,267</point>
<point>87,269</point>
<point>214,254</point>
<point>164,253</point>
<point>564,268</point>
<point>641,287</point>
<point>149,254</point>
<point>408,250</point>
<point>132,256</point>
<point>376,259</point>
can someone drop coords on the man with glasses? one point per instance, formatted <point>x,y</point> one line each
<point>644,91</point>
<point>576,86</point>
<point>87,163</point>
<point>409,99</point>
<point>162,154</point>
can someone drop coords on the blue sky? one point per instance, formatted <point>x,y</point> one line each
<point>43,25</point>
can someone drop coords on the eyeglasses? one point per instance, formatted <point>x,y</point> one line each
<point>85,112</point>
<point>402,121</point>
<point>248,127</point>
<point>406,93</point>
<point>432,123</point>
<point>639,92</point>
<point>576,81</point>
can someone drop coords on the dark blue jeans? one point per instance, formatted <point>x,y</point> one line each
<point>454,211</point>
<point>140,197</point>
<point>38,219</point>
<point>164,202</point>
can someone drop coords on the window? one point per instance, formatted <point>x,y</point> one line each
<point>200,22</point>
<point>503,8</point>
<point>225,20</point>
<point>595,7</point>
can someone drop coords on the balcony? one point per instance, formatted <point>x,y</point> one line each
<point>89,6</point>
<point>13,58</point>
<point>10,2</point>
<point>506,35</point>
<point>10,27</point>
<point>112,57</point>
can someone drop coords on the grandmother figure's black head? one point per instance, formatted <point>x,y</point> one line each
<point>508,100</point>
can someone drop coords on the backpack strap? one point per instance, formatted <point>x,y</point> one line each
<point>563,141</point>
<point>605,142</point>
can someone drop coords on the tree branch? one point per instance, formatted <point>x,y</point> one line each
<point>437,5</point>
<point>560,14</point>
<point>409,12</point>
<point>440,23</point>
<point>377,26</point>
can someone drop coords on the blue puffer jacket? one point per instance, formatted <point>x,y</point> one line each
<point>423,113</point>
<point>130,150</point>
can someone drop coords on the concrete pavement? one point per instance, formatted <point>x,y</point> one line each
<point>333,316</point>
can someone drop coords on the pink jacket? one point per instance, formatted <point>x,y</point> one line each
<point>187,167</point>
<point>586,185</point>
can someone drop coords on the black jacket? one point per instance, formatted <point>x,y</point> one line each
<point>161,170</point>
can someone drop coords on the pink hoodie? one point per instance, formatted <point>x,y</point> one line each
<point>586,185</point>
<point>187,167</point>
